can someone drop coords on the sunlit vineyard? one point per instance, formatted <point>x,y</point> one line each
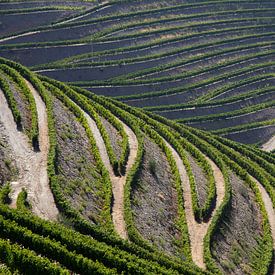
<point>136,137</point>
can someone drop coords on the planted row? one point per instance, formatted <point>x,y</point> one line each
<point>228,115</point>
<point>106,217</point>
<point>201,57</point>
<point>244,127</point>
<point>118,165</point>
<point>24,89</point>
<point>84,227</point>
<point>119,127</point>
<point>199,102</point>
<point>80,224</point>
<point>24,260</point>
<point>192,73</point>
<point>243,168</point>
<point>68,62</point>
<point>51,249</point>
<point>186,88</point>
<point>4,86</point>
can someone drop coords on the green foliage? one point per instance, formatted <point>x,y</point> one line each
<point>204,212</point>
<point>67,62</point>
<point>118,165</point>
<point>228,115</point>
<point>106,217</point>
<point>242,127</point>
<point>122,161</point>
<point>110,255</point>
<point>22,201</point>
<point>4,86</point>
<point>195,72</point>
<point>39,9</point>
<point>18,258</point>
<point>96,249</point>
<point>224,157</point>
<point>204,102</point>
<point>45,246</point>
<point>4,193</point>
<point>243,168</point>
<point>18,79</point>
<point>178,184</point>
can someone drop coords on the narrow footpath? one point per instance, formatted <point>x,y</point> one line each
<point>197,231</point>
<point>32,165</point>
<point>118,183</point>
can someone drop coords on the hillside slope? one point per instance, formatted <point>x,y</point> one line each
<point>135,192</point>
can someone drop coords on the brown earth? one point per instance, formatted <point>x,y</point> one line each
<point>201,180</point>
<point>32,165</point>
<point>154,201</point>
<point>117,182</point>
<point>197,231</point>
<point>239,231</point>
<point>7,163</point>
<point>78,176</point>
<point>269,145</point>
<point>115,137</point>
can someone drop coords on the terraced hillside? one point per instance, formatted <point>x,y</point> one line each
<point>115,190</point>
<point>206,64</point>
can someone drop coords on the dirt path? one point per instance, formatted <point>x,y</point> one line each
<point>32,165</point>
<point>197,231</point>
<point>118,183</point>
<point>269,145</point>
<point>269,209</point>
<point>18,35</point>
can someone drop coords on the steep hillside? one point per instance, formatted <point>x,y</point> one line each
<point>116,190</point>
<point>206,64</point>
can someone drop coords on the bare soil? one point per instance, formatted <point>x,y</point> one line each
<point>117,182</point>
<point>269,145</point>
<point>239,231</point>
<point>115,137</point>
<point>78,176</point>
<point>7,163</point>
<point>269,209</point>
<point>252,136</point>
<point>197,231</point>
<point>22,105</point>
<point>154,201</point>
<point>32,165</point>
<point>201,180</point>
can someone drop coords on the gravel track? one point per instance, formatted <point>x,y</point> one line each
<point>32,165</point>
<point>269,209</point>
<point>197,231</point>
<point>269,145</point>
<point>118,183</point>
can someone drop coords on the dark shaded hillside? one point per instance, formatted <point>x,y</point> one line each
<point>208,64</point>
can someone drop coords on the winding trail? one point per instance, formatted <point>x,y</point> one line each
<point>269,145</point>
<point>197,231</point>
<point>269,209</point>
<point>118,183</point>
<point>32,165</point>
